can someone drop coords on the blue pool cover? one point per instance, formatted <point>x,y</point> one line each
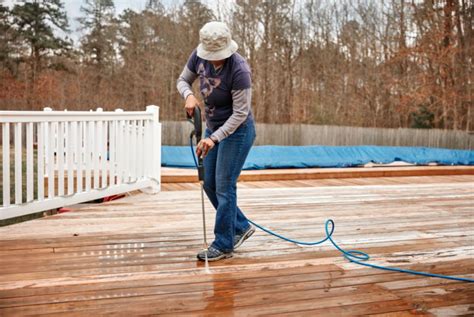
<point>272,156</point>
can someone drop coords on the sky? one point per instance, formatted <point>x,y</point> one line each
<point>73,6</point>
<point>73,10</point>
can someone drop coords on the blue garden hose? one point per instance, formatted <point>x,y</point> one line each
<point>354,256</point>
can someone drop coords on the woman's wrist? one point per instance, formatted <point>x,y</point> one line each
<point>214,139</point>
<point>187,96</point>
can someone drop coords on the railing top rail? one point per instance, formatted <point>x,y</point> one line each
<point>56,116</point>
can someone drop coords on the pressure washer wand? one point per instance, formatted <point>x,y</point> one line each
<point>197,134</point>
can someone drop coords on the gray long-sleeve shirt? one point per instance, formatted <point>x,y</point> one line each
<point>227,92</point>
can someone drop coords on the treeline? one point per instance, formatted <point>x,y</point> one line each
<point>377,63</point>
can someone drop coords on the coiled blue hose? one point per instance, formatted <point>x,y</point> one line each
<point>354,256</point>
<point>357,256</point>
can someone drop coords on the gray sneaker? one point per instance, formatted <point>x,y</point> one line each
<point>240,238</point>
<point>213,254</point>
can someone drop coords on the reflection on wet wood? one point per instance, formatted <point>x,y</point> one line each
<point>137,255</point>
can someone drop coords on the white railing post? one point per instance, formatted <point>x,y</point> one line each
<point>153,164</point>
<point>40,158</point>
<point>29,162</point>
<point>101,138</point>
<point>46,139</point>
<point>79,155</point>
<point>18,163</point>
<point>119,151</point>
<point>6,163</point>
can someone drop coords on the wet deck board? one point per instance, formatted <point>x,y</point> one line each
<point>137,255</point>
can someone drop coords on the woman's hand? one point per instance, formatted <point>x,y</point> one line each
<point>204,146</point>
<point>191,102</point>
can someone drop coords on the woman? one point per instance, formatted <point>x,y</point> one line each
<point>225,85</point>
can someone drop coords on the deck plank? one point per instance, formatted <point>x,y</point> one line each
<point>127,256</point>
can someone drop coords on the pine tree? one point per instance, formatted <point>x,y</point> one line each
<point>155,6</point>
<point>6,38</point>
<point>98,23</point>
<point>37,24</point>
<point>193,16</point>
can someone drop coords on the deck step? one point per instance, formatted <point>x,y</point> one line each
<point>184,175</point>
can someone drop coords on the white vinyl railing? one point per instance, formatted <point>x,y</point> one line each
<point>76,156</point>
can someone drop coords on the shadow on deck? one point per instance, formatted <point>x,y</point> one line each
<point>137,255</point>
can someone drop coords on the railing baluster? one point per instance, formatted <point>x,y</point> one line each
<point>112,152</point>
<point>87,153</point>
<point>139,165</point>
<point>96,134</point>
<point>143,149</point>
<point>6,163</point>
<point>54,136</point>
<point>50,155</point>
<point>29,162</point>
<point>120,155</point>
<point>119,141</point>
<point>60,158</point>
<point>71,129</point>
<point>126,152</point>
<point>40,159</point>
<point>129,154</point>
<point>103,156</point>
<point>136,148</point>
<point>18,165</point>
<point>47,136</point>
<point>136,143</point>
<point>134,155</point>
<point>147,149</point>
<point>79,155</point>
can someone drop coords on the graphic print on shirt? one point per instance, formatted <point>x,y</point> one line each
<point>207,85</point>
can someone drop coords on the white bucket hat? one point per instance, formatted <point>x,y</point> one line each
<point>215,42</point>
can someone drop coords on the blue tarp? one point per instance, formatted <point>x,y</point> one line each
<point>272,156</point>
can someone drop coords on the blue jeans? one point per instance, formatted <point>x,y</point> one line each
<point>222,167</point>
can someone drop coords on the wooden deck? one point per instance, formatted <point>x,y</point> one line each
<point>136,256</point>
